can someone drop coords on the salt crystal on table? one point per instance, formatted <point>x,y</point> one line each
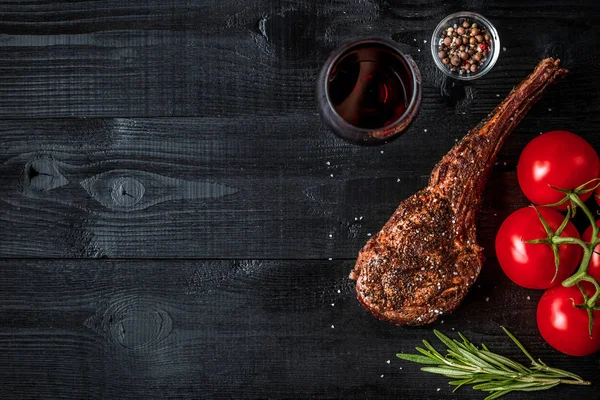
<point>504,49</point>
<point>332,327</point>
<point>388,361</point>
<point>328,163</point>
<point>487,299</point>
<point>339,291</point>
<point>331,175</point>
<point>424,130</point>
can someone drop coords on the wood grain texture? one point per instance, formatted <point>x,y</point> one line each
<point>225,58</point>
<point>274,187</point>
<point>242,169</point>
<point>233,329</point>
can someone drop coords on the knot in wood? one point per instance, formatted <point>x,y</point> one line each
<point>42,174</point>
<point>127,192</point>
<point>136,325</point>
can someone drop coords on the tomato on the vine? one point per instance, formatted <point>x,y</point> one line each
<point>565,327</point>
<point>560,159</point>
<point>594,265</point>
<point>532,265</point>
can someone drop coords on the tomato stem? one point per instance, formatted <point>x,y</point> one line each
<point>591,303</point>
<point>566,240</point>
<point>576,200</point>
<point>582,271</point>
<point>565,222</point>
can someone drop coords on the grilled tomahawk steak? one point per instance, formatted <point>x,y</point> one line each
<point>423,261</point>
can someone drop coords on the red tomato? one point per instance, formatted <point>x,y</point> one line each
<point>565,327</point>
<point>560,159</point>
<point>532,265</point>
<point>594,266</point>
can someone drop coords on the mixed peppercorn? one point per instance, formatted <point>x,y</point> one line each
<point>464,47</point>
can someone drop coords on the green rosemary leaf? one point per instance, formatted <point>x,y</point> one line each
<point>506,385</point>
<point>417,358</point>
<point>528,385</point>
<point>426,353</point>
<point>514,339</point>
<point>465,344</point>
<point>545,386</point>
<point>495,362</point>
<point>497,394</point>
<point>515,366</point>
<point>493,385</point>
<point>460,383</point>
<point>446,340</point>
<point>464,339</point>
<point>449,372</point>
<point>546,375</point>
<point>474,360</point>
<point>539,361</point>
<point>432,349</point>
<point>560,372</point>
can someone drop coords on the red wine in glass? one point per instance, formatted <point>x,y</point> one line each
<point>369,92</point>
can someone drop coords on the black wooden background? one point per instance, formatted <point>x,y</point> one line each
<point>177,223</point>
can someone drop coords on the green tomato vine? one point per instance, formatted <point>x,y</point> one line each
<point>554,240</point>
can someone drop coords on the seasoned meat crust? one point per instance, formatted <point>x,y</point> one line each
<point>426,257</point>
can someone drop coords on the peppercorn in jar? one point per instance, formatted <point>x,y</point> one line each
<point>465,45</point>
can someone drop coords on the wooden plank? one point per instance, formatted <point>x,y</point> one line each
<point>225,58</point>
<point>233,329</point>
<point>212,188</point>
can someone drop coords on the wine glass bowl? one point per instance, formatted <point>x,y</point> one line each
<point>368,91</point>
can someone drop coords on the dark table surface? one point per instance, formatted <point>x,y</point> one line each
<point>176,222</point>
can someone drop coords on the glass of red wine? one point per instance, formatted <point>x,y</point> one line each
<point>368,91</point>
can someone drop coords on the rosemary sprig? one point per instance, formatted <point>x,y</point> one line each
<point>487,371</point>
